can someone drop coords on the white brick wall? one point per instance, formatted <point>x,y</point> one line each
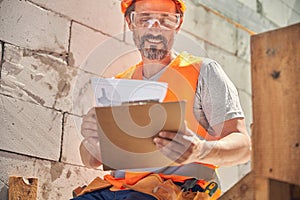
<point>55,180</point>
<point>83,41</point>
<point>250,3</point>
<point>282,12</point>
<point>243,47</point>
<point>210,27</point>
<point>3,190</point>
<point>71,140</point>
<point>26,25</point>
<point>30,129</point>
<point>37,78</point>
<point>102,15</point>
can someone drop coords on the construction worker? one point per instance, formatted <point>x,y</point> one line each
<point>215,132</point>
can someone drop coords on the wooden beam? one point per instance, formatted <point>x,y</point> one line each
<point>21,188</point>
<point>275,60</point>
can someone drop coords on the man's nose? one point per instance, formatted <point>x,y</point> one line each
<point>153,23</point>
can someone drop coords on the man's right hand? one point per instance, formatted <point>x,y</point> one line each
<point>90,146</point>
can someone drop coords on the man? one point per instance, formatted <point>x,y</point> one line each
<point>215,132</point>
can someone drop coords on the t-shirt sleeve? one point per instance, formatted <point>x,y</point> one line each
<point>217,98</point>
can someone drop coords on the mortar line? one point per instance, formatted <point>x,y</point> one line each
<point>30,156</point>
<point>69,43</point>
<point>55,109</point>
<point>2,60</point>
<point>43,159</point>
<point>62,137</point>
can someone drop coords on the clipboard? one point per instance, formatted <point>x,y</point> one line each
<point>127,131</point>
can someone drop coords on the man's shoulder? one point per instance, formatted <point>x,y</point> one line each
<point>189,58</point>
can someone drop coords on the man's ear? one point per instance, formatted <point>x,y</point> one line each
<point>130,26</point>
<point>181,21</point>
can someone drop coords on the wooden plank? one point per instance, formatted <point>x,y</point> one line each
<point>20,188</point>
<point>243,190</point>
<point>279,190</point>
<point>275,60</point>
<point>261,188</point>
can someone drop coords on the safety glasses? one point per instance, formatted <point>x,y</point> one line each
<point>167,21</point>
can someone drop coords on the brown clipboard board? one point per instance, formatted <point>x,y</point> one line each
<point>127,131</point>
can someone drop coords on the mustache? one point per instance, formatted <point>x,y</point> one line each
<point>152,37</point>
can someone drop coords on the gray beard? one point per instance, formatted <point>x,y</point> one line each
<point>153,53</point>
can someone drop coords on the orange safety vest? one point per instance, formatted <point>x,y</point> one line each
<point>182,77</point>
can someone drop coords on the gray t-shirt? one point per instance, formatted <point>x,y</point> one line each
<point>216,98</point>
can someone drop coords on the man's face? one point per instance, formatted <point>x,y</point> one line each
<point>153,23</point>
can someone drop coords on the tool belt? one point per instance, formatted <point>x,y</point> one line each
<point>161,189</point>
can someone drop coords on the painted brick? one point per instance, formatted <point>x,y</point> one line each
<point>121,63</point>
<point>102,55</point>
<point>99,54</point>
<point>31,27</point>
<point>106,53</point>
<point>237,69</point>
<point>100,14</point>
<point>246,103</point>
<point>83,41</point>
<point>71,140</point>
<point>243,45</point>
<point>3,191</point>
<point>237,12</point>
<point>280,12</point>
<point>55,180</point>
<point>210,27</point>
<point>37,78</point>
<point>30,129</point>
<point>244,169</point>
<point>250,3</point>
<point>189,43</point>
<point>9,166</point>
<point>228,177</point>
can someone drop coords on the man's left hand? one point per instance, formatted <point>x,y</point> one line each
<point>183,147</point>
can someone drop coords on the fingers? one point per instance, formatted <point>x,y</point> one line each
<point>177,147</point>
<point>92,145</point>
<point>89,126</point>
<point>89,129</point>
<point>173,150</point>
<point>90,116</point>
<point>180,138</point>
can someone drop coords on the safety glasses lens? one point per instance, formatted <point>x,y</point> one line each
<point>148,19</point>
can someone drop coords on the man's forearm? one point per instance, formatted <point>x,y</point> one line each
<point>233,149</point>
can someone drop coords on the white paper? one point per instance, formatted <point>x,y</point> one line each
<point>112,92</point>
